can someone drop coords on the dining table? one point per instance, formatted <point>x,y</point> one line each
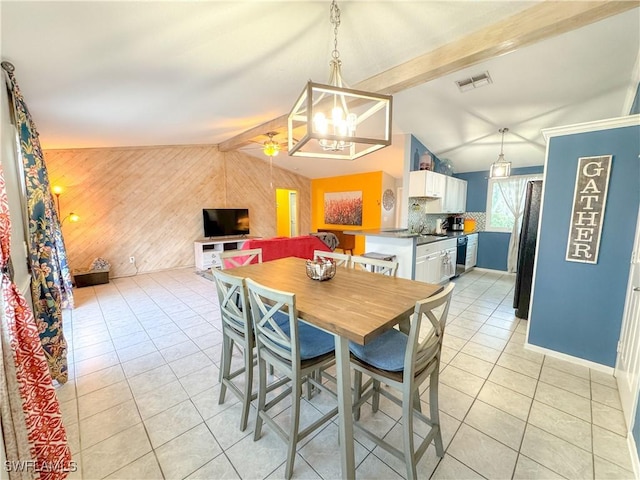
<point>355,306</point>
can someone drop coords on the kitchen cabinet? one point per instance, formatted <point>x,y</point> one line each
<point>472,251</point>
<point>445,194</point>
<point>455,196</point>
<point>436,262</point>
<point>425,183</point>
<point>428,268</point>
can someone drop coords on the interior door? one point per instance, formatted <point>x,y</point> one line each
<point>628,361</point>
<point>293,214</point>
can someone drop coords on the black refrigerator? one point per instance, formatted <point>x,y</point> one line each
<point>527,248</point>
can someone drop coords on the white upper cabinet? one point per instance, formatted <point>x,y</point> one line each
<point>446,194</point>
<point>425,183</point>
<point>455,197</point>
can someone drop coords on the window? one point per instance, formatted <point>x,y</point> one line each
<point>499,216</point>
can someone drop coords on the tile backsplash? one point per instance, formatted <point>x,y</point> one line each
<point>426,222</point>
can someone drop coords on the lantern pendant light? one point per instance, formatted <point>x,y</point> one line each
<point>501,168</point>
<point>334,121</point>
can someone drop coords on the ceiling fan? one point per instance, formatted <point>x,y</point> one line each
<point>271,147</point>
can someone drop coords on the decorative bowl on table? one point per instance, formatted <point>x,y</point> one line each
<point>320,269</point>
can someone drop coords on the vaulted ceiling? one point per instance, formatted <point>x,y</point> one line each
<point>102,74</point>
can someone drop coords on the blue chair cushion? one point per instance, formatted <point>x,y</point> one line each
<point>313,341</point>
<point>385,352</point>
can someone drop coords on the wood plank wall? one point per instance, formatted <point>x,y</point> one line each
<point>147,202</point>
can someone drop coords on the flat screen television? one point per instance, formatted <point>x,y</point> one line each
<point>220,222</point>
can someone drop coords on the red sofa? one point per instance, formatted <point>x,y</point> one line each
<point>281,247</point>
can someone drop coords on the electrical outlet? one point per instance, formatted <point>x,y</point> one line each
<point>132,259</point>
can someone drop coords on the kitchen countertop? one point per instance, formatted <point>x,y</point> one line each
<point>404,233</point>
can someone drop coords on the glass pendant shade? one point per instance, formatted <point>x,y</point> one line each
<point>500,169</point>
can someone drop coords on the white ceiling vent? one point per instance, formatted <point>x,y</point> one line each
<point>476,81</point>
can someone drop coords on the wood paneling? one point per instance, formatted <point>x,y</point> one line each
<point>147,202</point>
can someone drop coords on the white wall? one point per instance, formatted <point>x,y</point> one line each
<point>388,217</point>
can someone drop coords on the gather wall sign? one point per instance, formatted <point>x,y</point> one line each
<point>587,215</point>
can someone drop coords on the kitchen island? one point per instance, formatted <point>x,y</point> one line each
<point>409,248</point>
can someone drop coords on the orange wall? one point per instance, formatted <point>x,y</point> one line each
<point>371,186</point>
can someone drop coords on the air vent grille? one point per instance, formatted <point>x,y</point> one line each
<point>476,81</point>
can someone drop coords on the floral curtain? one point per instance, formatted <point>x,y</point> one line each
<point>51,279</point>
<point>33,433</point>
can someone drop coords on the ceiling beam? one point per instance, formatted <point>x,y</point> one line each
<point>277,125</point>
<point>540,22</point>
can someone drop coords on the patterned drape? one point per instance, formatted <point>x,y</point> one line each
<point>50,277</point>
<point>29,403</point>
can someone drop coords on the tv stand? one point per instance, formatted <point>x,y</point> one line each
<point>207,250</point>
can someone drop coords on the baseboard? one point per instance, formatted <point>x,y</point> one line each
<point>570,358</point>
<point>491,270</point>
<point>633,452</point>
<point>158,270</point>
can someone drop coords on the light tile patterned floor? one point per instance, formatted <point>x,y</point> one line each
<point>141,402</point>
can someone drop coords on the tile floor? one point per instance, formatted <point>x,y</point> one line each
<point>141,402</point>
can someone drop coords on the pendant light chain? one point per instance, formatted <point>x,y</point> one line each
<point>502,131</point>
<point>334,18</point>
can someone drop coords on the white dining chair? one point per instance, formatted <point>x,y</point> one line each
<point>237,330</point>
<point>340,259</point>
<point>403,362</point>
<point>384,267</point>
<point>296,350</point>
<point>239,258</point>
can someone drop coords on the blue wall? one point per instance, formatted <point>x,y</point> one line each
<point>635,108</point>
<point>417,150</point>
<point>577,308</point>
<point>493,247</point>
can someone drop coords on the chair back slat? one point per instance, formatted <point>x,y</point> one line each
<point>239,258</point>
<point>340,259</point>
<point>433,310</point>
<point>266,303</point>
<point>384,267</point>
<point>234,307</point>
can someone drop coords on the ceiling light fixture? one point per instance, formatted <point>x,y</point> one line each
<point>334,121</point>
<point>271,147</point>
<point>501,168</point>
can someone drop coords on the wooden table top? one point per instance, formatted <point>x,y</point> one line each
<point>353,304</point>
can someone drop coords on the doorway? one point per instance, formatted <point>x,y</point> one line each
<point>628,362</point>
<point>286,213</point>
